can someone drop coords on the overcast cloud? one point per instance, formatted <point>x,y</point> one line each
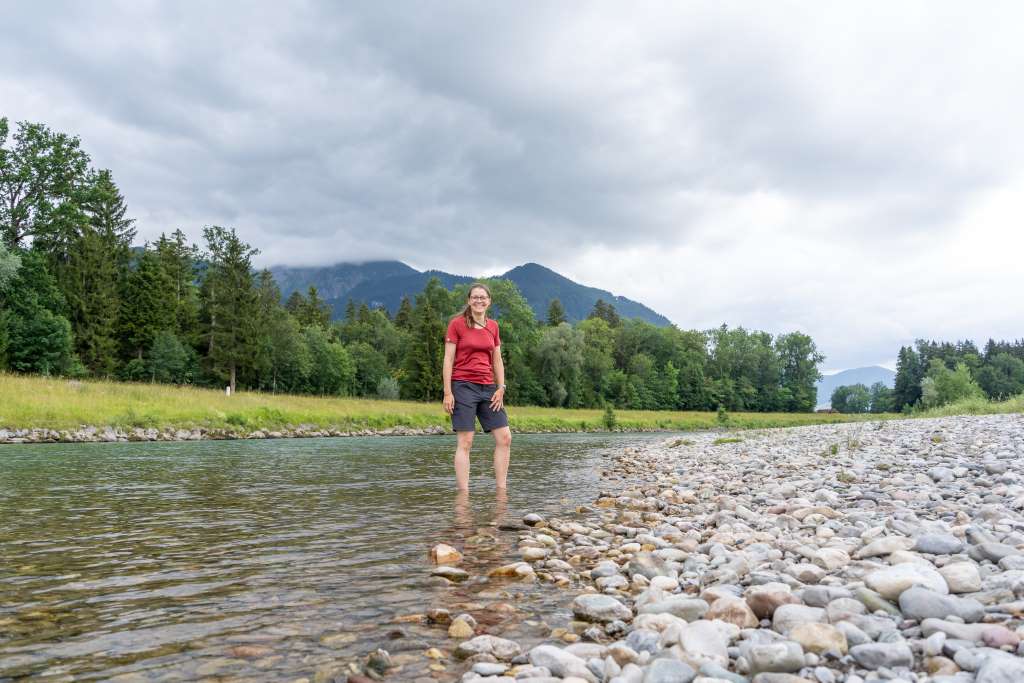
<point>851,170</point>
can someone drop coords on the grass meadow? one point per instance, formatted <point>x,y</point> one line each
<point>53,403</point>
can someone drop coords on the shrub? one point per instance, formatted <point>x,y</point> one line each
<point>387,388</point>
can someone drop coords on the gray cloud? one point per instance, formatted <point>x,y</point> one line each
<point>598,139</point>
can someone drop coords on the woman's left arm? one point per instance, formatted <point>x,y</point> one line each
<point>498,400</point>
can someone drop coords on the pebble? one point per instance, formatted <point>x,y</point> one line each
<point>763,561</point>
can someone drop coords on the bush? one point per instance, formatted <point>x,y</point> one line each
<point>609,419</point>
<point>723,417</point>
<point>942,385</point>
<point>387,388</point>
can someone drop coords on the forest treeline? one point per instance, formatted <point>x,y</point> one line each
<point>932,374</point>
<point>77,299</point>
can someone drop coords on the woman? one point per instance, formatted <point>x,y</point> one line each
<point>474,384</point>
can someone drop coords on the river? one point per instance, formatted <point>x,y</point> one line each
<point>268,560</point>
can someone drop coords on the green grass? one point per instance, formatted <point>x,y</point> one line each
<point>975,406</point>
<point>28,402</point>
<point>729,439</point>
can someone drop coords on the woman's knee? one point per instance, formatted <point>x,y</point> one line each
<point>465,440</point>
<point>503,437</point>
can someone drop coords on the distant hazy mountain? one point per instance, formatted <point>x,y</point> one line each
<point>866,376</point>
<point>384,283</point>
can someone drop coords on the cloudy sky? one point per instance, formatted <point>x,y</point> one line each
<point>851,170</point>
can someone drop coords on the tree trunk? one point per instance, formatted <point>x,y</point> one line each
<point>232,379</point>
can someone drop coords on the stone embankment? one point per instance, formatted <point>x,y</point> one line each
<point>838,553</point>
<point>115,434</point>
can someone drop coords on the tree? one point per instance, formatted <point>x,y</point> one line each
<point>800,360</point>
<point>230,301</point>
<point>909,373</point>
<point>312,310</point>
<point>92,272</point>
<point>881,398</point>
<point>424,353</point>
<point>41,176</point>
<point>332,372</point>
<point>606,312</point>
<point>145,308</point>
<point>556,314</point>
<point>853,398</point>
<point>37,335</point>
<point>403,318</point>
<point>178,261</point>
<point>9,264</point>
<point>371,366</point>
<point>290,360</point>
<point>598,363</point>
<point>941,385</point>
<point>170,361</point>
<point>1002,376</point>
<point>559,360</point>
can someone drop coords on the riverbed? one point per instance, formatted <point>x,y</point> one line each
<point>273,560</point>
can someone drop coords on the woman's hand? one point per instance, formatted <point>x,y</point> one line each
<point>498,400</point>
<point>449,403</point>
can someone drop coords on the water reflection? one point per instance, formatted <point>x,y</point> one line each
<point>268,560</point>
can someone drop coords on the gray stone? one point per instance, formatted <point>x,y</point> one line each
<point>921,603</point>
<point>876,655</point>
<point>490,668</point>
<point>642,640</point>
<point>666,670</point>
<point>784,657</point>
<point>938,544</point>
<point>648,565</point>
<point>604,569</point>
<point>690,609</point>
<point>712,670</point>
<point>1001,670</point>
<point>499,648</point>
<point>891,581</point>
<point>788,616</point>
<point>560,663</point>
<point>601,608</point>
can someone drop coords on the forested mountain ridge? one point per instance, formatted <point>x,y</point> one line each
<point>384,283</point>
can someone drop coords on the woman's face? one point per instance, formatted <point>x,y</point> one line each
<point>479,300</point>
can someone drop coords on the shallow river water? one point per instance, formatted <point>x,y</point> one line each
<point>265,560</point>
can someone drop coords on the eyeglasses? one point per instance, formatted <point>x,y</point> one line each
<point>479,298</point>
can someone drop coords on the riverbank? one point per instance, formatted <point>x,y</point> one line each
<point>41,410</point>
<point>835,553</point>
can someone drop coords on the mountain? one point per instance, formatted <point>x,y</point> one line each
<point>384,283</point>
<point>866,376</point>
<point>540,285</point>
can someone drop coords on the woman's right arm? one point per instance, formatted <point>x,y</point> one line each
<point>446,376</point>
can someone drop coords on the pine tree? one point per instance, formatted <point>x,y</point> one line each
<point>403,318</point>
<point>230,302</point>
<point>146,306</point>
<point>178,260</point>
<point>909,373</point>
<point>556,314</point>
<point>424,355</point>
<point>316,311</point>
<point>606,312</point>
<point>295,304</point>
<point>92,276</point>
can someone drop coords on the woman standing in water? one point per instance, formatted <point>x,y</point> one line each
<point>474,384</point>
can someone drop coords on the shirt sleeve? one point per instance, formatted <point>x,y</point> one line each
<point>497,334</point>
<point>453,331</point>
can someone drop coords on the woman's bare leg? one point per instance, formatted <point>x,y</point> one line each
<point>502,453</point>
<point>462,460</point>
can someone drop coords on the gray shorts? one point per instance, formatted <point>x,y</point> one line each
<point>473,401</point>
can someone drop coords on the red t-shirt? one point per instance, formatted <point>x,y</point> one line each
<point>473,349</point>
